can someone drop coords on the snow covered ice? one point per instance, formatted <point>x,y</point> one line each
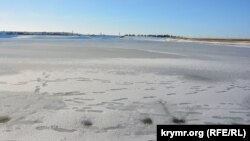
<point>74,90</point>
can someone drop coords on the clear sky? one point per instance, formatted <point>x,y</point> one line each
<point>198,18</point>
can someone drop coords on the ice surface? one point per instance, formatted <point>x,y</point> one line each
<point>50,88</point>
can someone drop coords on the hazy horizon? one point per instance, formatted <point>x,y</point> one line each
<point>221,19</point>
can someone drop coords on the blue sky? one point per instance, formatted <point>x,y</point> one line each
<point>197,18</point>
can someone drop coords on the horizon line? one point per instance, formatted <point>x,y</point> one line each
<point>128,34</point>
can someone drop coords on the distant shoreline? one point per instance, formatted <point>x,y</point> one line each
<point>15,33</point>
<point>166,36</point>
<point>223,40</point>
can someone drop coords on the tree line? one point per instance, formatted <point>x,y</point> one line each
<point>151,35</point>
